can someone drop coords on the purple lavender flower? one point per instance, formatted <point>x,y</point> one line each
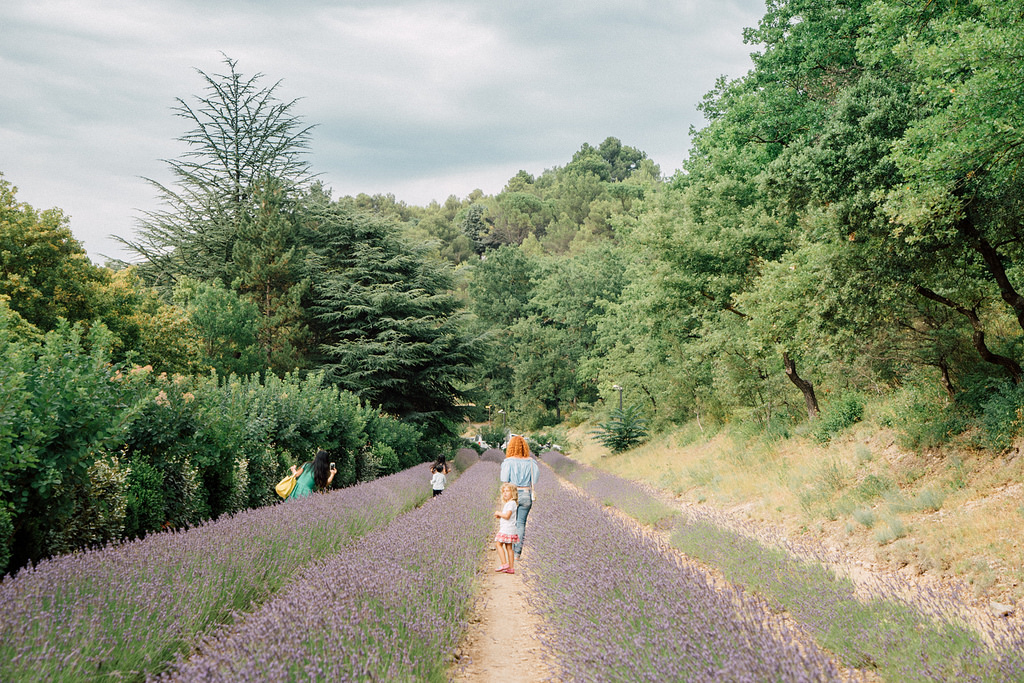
<point>619,607</point>
<point>128,609</point>
<point>390,607</point>
<point>898,629</point>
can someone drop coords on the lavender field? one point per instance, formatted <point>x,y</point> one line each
<point>627,496</point>
<point>376,582</point>
<point>389,608</point>
<point>621,609</point>
<point>900,632</point>
<point>126,611</point>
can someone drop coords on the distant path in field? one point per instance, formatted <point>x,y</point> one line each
<point>501,643</point>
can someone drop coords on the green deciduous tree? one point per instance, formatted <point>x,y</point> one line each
<point>62,409</point>
<point>961,161</point>
<point>226,326</point>
<point>45,273</point>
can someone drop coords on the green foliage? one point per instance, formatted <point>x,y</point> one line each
<point>401,438</point>
<point>472,224</point>
<point>100,508</point>
<point>894,529</point>
<point>493,435</point>
<point>209,446</point>
<point>873,486</point>
<point>625,429</point>
<point>553,437</point>
<point>242,138</point>
<point>1002,416</point>
<point>389,328</point>
<point>226,325</point>
<point>850,213</point>
<point>63,408</point>
<point>45,273</point>
<point>924,421</point>
<point>6,537</point>
<point>267,269</point>
<point>845,412</point>
<point>472,445</point>
<point>146,498</point>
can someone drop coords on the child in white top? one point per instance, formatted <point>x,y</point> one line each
<point>507,535</point>
<point>438,481</point>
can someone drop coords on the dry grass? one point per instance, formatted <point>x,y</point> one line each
<point>956,514</point>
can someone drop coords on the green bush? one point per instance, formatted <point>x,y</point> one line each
<point>99,510</point>
<point>841,414</point>
<point>208,446</point>
<point>554,437</point>
<point>6,538</point>
<point>929,500</point>
<point>381,461</point>
<point>189,448</point>
<point>401,437</point>
<point>62,405</point>
<point>1002,416</point>
<point>535,416</point>
<point>264,469</point>
<point>924,420</point>
<point>874,487</point>
<point>146,506</point>
<point>626,429</point>
<point>493,436</point>
<point>471,444</point>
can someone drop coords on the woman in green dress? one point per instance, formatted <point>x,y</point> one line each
<point>313,476</point>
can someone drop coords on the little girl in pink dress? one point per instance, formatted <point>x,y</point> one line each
<point>507,535</point>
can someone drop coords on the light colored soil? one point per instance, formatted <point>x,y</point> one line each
<point>501,643</point>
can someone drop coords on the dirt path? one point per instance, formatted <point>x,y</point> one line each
<point>501,643</point>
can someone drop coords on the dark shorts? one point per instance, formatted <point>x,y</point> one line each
<point>438,492</point>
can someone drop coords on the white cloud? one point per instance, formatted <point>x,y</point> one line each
<point>418,98</point>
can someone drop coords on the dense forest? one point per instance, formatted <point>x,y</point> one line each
<point>847,224</point>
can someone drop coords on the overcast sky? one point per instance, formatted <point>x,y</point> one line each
<point>422,99</point>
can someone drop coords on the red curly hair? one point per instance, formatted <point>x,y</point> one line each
<point>517,448</point>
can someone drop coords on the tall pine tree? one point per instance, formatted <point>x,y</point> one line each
<point>389,327</point>
<point>242,137</point>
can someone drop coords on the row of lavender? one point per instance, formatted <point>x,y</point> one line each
<point>628,496</point>
<point>126,610</point>
<point>620,608</point>
<point>390,608</point>
<point>900,633</point>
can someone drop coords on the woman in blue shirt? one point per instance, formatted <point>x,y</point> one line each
<point>520,469</point>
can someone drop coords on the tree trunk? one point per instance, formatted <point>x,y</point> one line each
<point>947,381</point>
<point>1009,364</point>
<point>654,403</point>
<point>803,385</point>
<point>995,266</point>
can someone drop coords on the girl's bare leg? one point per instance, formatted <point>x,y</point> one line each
<point>511,555</point>
<point>502,555</point>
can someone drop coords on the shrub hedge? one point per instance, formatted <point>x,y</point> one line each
<point>92,452</point>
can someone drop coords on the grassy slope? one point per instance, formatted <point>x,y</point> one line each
<point>955,514</point>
